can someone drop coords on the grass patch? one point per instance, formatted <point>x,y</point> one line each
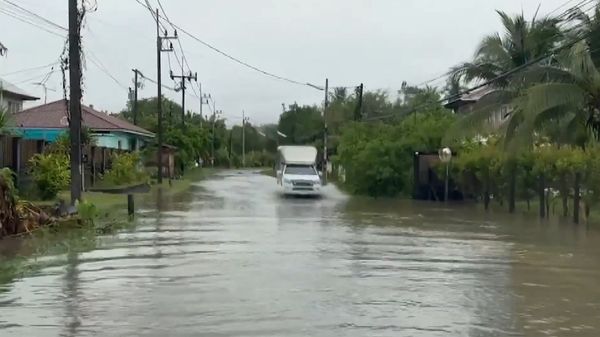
<point>110,203</point>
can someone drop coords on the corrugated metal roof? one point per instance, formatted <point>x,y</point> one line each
<point>12,89</point>
<point>54,116</point>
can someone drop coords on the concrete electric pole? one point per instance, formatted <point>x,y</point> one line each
<point>159,50</point>
<point>244,121</point>
<point>183,77</point>
<point>136,86</point>
<point>324,168</point>
<point>75,100</point>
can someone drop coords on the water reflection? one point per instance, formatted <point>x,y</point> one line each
<point>235,258</point>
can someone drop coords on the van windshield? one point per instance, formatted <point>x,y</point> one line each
<point>300,170</point>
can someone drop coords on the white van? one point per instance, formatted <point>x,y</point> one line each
<point>297,172</point>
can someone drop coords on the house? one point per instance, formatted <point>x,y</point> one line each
<point>466,104</point>
<point>46,122</point>
<point>11,101</point>
<point>12,97</point>
<point>35,127</point>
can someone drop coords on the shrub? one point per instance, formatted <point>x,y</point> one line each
<point>50,172</point>
<point>88,212</point>
<point>125,170</point>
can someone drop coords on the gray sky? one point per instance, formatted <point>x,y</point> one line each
<point>378,42</point>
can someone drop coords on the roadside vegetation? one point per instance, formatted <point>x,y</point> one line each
<point>194,139</point>
<point>543,74</point>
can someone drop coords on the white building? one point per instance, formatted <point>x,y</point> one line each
<point>12,97</point>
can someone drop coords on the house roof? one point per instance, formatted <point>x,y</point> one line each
<point>13,90</point>
<point>470,97</point>
<point>54,116</point>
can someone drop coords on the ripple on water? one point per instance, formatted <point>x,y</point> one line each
<point>236,259</point>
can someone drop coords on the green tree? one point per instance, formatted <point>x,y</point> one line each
<point>378,157</point>
<point>301,124</point>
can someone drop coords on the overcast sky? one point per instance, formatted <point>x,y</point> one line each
<point>378,42</point>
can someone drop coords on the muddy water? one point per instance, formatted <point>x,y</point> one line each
<point>234,258</point>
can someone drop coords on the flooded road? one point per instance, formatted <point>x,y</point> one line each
<point>234,258</point>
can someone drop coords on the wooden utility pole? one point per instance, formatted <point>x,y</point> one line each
<point>75,100</point>
<point>325,132</point>
<point>159,51</point>
<point>136,85</point>
<point>183,77</point>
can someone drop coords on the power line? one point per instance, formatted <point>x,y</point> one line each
<point>206,44</point>
<point>151,80</point>
<point>14,16</point>
<point>489,82</point>
<point>30,69</point>
<point>43,75</point>
<point>560,7</point>
<point>96,61</point>
<point>47,77</point>
<point>182,51</point>
<point>36,15</point>
<point>560,17</point>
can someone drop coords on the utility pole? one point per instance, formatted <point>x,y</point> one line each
<point>324,168</point>
<point>359,110</point>
<point>201,104</point>
<point>214,121</point>
<point>244,120</point>
<point>136,85</point>
<point>75,100</point>
<point>159,51</point>
<point>183,77</point>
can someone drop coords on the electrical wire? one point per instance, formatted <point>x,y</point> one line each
<point>151,80</point>
<point>12,15</point>
<point>232,58</point>
<point>43,75</point>
<point>589,4</point>
<point>184,58</point>
<point>29,69</point>
<point>35,15</point>
<point>489,82</point>
<point>560,7</point>
<point>96,61</point>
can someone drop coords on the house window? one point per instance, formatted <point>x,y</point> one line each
<point>13,107</point>
<point>119,145</point>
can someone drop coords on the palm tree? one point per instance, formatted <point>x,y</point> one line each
<point>574,99</point>
<point>571,98</point>
<point>497,55</point>
<point>522,42</point>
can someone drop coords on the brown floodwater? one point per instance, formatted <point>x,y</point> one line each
<point>235,258</point>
